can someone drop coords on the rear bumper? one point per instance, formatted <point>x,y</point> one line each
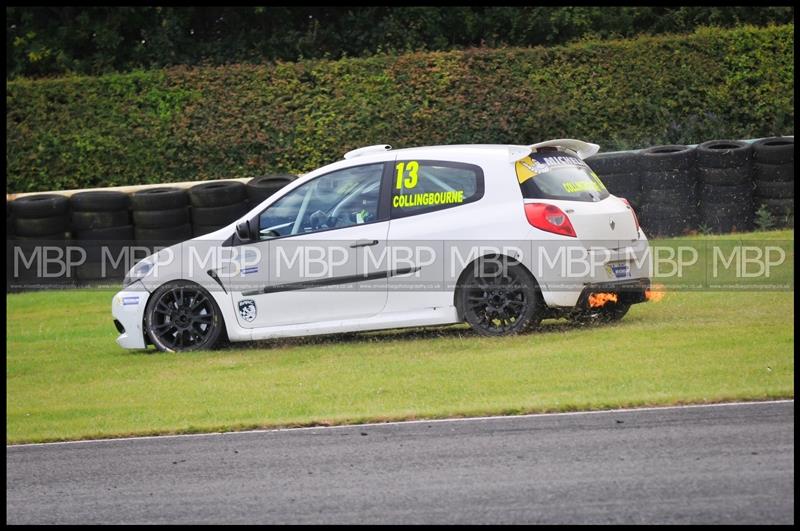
<point>628,291</point>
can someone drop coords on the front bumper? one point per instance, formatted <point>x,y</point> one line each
<point>128,307</point>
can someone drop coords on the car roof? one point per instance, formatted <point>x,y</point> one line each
<point>448,152</point>
<point>509,152</point>
<point>490,149</point>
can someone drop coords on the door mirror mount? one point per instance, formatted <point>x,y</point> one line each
<point>243,231</point>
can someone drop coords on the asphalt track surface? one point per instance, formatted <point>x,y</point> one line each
<point>729,463</point>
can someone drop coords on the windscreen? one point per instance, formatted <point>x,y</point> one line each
<point>558,175</point>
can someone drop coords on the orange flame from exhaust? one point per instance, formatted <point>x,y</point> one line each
<point>597,300</point>
<point>655,293</point>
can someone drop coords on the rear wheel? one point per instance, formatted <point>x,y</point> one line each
<point>183,316</point>
<point>500,299</point>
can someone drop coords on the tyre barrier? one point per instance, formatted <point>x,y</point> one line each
<point>39,221</point>
<point>724,172</point>
<point>260,188</point>
<point>216,204</point>
<point>621,173</point>
<point>160,216</point>
<point>101,226</point>
<point>773,174</point>
<point>669,190</point>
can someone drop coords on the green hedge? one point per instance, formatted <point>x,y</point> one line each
<point>243,120</point>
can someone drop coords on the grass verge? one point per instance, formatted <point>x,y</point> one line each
<point>67,379</point>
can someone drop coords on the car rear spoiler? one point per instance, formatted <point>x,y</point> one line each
<point>577,147</point>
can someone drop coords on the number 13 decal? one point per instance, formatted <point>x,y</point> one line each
<point>410,168</point>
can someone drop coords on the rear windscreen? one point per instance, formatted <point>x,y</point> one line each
<point>558,175</point>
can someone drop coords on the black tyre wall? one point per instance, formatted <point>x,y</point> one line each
<point>669,197</point>
<point>260,188</point>
<point>157,219</point>
<point>40,206</point>
<point>217,193</point>
<point>100,201</point>
<point>775,150</point>
<point>159,199</point>
<point>725,174</point>
<point>620,162</point>
<point>724,154</point>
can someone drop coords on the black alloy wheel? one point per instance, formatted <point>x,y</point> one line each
<point>501,299</point>
<point>183,316</point>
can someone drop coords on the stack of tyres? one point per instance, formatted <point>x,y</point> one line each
<point>669,190</point>
<point>101,226</point>
<point>260,188</point>
<point>773,170</point>
<point>621,173</point>
<point>216,204</point>
<point>36,255</point>
<point>161,217</point>
<point>726,185</point>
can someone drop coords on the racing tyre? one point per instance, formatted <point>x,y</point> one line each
<point>165,234</point>
<point>775,190</point>
<point>40,206</point>
<point>724,154</point>
<point>200,229</point>
<point>162,198</point>
<point>710,193</point>
<point>123,233</point>
<point>723,176</point>
<point>667,158</point>
<point>773,172</point>
<point>40,226</point>
<point>676,179</point>
<point>775,150</point>
<point>85,220</point>
<point>99,201</point>
<point>621,162</point>
<point>679,198</point>
<point>156,219</point>
<point>500,299</point>
<point>260,188</point>
<point>621,182</point>
<point>217,193</point>
<point>221,215</point>
<point>182,316</point>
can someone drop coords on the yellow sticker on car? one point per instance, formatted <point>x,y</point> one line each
<point>528,168</point>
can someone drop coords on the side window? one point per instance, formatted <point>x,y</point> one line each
<point>335,200</point>
<point>421,186</point>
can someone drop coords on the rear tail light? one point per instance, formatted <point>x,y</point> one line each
<point>635,218</point>
<point>549,218</point>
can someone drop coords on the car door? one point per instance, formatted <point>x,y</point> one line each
<point>319,253</point>
<point>431,204</point>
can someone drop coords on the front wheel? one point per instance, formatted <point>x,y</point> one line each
<point>501,299</point>
<point>183,316</point>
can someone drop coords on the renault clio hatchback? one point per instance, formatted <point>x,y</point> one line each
<point>498,236</point>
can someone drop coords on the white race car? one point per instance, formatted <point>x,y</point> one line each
<point>499,236</point>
